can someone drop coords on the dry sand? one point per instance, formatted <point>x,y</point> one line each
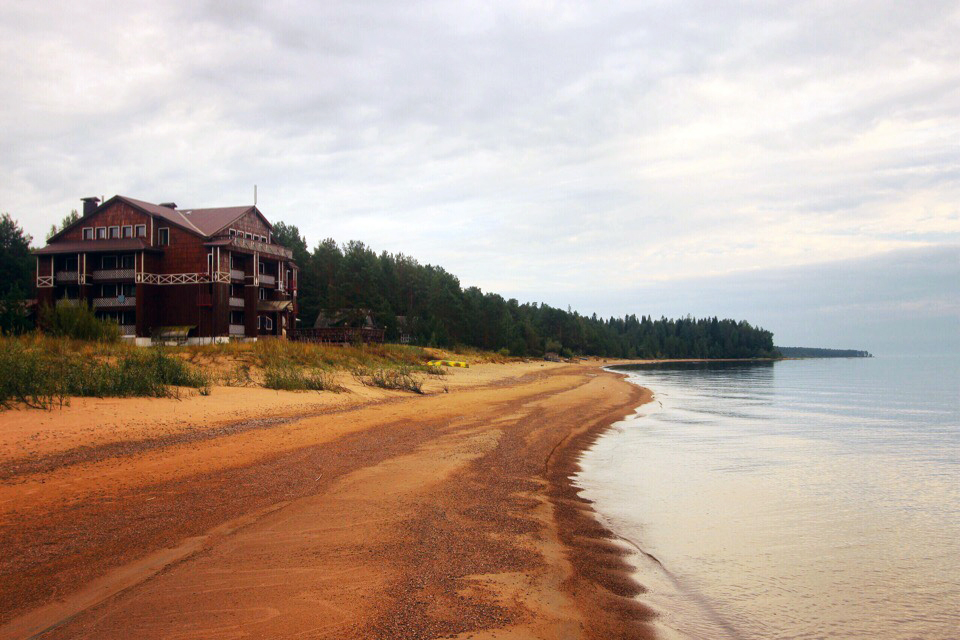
<point>368,514</point>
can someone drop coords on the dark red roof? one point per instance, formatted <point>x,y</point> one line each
<point>88,246</point>
<point>203,222</point>
<point>210,221</point>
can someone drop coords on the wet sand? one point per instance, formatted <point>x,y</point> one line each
<point>370,514</point>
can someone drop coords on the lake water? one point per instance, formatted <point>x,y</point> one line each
<point>796,499</point>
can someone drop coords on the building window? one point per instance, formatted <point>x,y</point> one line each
<point>233,233</point>
<point>141,230</point>
<point>88,233</point>
<point>263,268</point>
<point>101,233</point>
<point>114,232</point>
<point>108,262</point>
<point>268,323</point>
<point>127,231</point>
<point>248,236</point>
<point>127,261</point>
<point>236,317</point>
<point>210,263</point>
<point>163,236</point>
<point>263,293</point>
<point>263,239</point>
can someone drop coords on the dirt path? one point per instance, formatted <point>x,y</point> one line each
<point>419,517</point>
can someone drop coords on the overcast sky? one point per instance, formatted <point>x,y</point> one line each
<point>666,158</point>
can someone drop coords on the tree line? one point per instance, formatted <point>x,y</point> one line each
<point>816,352</point>
<point>429,304</point>
<point>16,275</point>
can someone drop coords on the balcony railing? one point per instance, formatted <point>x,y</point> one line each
<point>112,274</point>
<point>237,274</point>
<point>116,302</point>
<point>237,330</point>
<point>68,302</point>
<point>67,276</point>
<point>266,278</point>
<point>128,329</point>
<point>237,302</point>
<point>260,247</point>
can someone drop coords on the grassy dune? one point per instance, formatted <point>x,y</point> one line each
<point>40,371</point>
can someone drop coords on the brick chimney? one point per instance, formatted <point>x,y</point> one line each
<point>89,205</point>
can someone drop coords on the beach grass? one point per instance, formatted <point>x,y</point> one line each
<point>293,378</point>
<point>46,372</point>
<point>39,370</point>
<point>400,378</point>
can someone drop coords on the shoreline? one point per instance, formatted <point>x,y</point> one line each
<point>452,514</point>
<point>601,565</point>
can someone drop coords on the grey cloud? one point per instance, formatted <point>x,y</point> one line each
<point>570,149</point>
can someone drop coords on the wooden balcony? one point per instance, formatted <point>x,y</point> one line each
<point>237,274</point>
<point>237,302</point>
<point>238,330</point>
<point>68,276</point>
<point>118,302</point>
<point>128,329</point>
<point>102,275</point>
<point>68,302</point>
<point>252,246</point>
<point>267,279</point>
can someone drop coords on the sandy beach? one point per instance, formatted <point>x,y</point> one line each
<point>368,514</point>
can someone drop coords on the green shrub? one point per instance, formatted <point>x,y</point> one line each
<point>77,322</point>
<point>434,370</point>
<point>14,319</point>
<point>238,376</point>
<point>48,375</point>
<point>24,378</point>
<point>400,378</point>
<point>293,378</point>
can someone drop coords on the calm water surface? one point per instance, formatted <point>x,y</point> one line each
<point>797,499</point>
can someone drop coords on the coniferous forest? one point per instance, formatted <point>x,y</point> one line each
<point>428,303</point>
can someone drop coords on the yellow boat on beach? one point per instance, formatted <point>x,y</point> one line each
<point>448,363</point>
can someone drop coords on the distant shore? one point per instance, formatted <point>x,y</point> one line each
<point>367,514</point>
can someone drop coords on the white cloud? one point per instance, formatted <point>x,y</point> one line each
<point>535,146</point>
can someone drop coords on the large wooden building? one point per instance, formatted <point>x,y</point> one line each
<point>160,271</point>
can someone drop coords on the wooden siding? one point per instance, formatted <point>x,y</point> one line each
<point>250,222</point>
<point>185,253</point>
<point>116,215</point>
